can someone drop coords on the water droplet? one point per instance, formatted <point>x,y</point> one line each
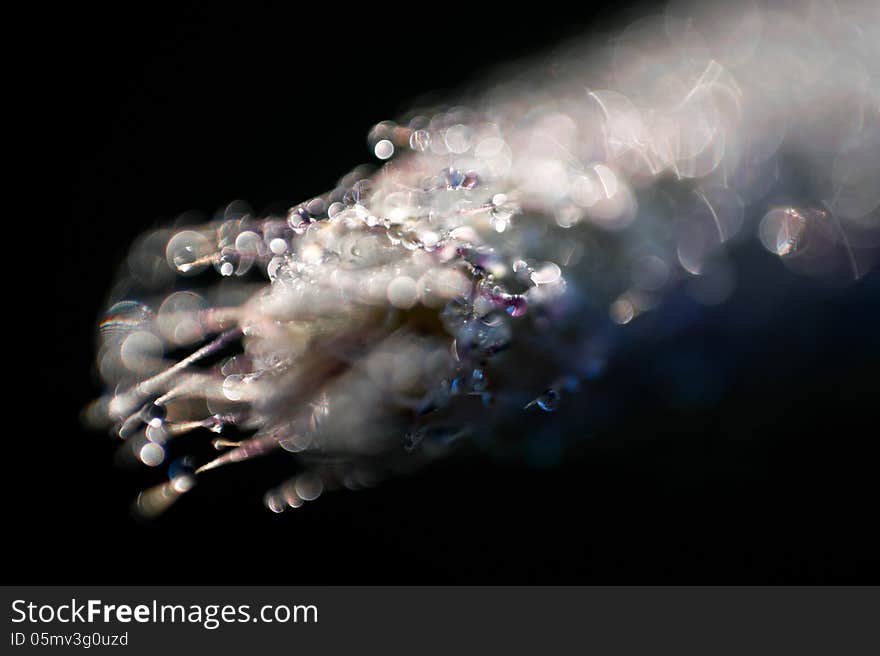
<point>478,380</point>
<point>183,483</point>
<point>383,149</point>
<point>334,209</point>
<point>420,140</point>
<point>277,268</point>
<point>516,305</point>
<point>471,180</point>
<point>275,502</point>
<point>782,231</point>
<point>278,246</point>
<point>622,311</point>
<point>151,454</point>
<point>299,218</point>
<point>499,224</point>
<point>457,138</point>
<point>548,401</point>
<point>403,292</point>
<point>309,486</point>
<point>156,433</point>
<point>288,490</point>
<point>185,258</point>
<point>454,178</point>
<point>249,244</point>
<point>547,274</point>
<point>154,414</point>
<point>232,387</point>
<point>228,262</point>
<point>501,213</point>
<point>361,190</point>
<point>186,252</point>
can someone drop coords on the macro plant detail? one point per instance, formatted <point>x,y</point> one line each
<point>504,251</point>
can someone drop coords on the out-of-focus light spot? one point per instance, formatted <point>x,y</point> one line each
<point>622,311</point>
<point>141,352</point>
<point>650,273</point>
<point>186,252</point>
<point>547,274</point>
<point>183,483</point>
<point>782,231</point>
<point>383,149</point>
<point>151,454</point>
<point>584,191</point>
<point>309,486</point>
<point>179,318</point>
<point>278,246</point>
<point>403,292</point>
<point>458,139</point>
<point>420,140</point>
<point>855,174</point>
<point>249,243</point>
<point>290,496</point>
<point>274,502</point>
<point>232,387</point>
<point>607,179</point>
<point>153,502</point>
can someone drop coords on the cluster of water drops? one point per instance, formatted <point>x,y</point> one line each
<point>481,273</point>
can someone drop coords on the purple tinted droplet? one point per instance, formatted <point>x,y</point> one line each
<point>454,178</point>
<point>516,305</point>
<point>360,191</point>
<point>299,218</point>
<point>471,180</point>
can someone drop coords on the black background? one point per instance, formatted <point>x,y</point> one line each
<point>145,112</point>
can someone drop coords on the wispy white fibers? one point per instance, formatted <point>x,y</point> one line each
<point>478,273</point>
